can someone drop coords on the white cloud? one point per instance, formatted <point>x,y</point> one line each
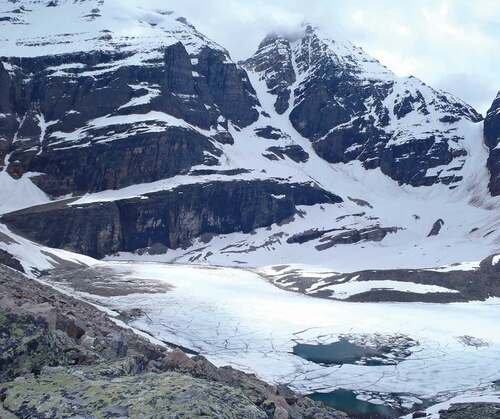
<point>438,41</point>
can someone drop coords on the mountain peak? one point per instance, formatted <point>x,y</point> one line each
<point>308,28</point>
<point>351,107</point>
<point>37,28</point>
<point>291,35</point>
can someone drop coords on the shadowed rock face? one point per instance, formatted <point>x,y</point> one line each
<point>274,60</point>
<point>172,218</point>
<point>90,121</point>
<point>8,121</point>
<point>492,139</point>
<point>8,260</point>
<point>352,108</point>
<point>436,228</point>
<point>142,157</point>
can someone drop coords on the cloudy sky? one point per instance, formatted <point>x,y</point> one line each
<point>450,44</point>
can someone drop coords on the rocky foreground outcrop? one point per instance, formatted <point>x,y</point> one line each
<point>60,357</point>
<point>472,411</point>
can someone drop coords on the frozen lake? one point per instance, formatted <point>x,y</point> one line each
<point>235,317</point>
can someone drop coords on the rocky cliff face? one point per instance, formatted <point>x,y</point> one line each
<point>169,218</point>
<point>274,59</point>
<point>116,110</point>
<point>492,140</point>
<point>353,108</point>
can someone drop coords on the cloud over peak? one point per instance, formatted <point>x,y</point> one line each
<point>449,44</point>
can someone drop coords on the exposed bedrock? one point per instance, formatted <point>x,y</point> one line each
<point>172,218</point>
<point>436,228</point>
<point>476,410</point>
<point>463,285</point>
<point>97,120</point>
<point>274,59</point>
<point>492,140</point>
<point>9,260</point>
<point>293,152</point>
<point>335,236</point>
<point>137,158</point>
<point>477,284</point>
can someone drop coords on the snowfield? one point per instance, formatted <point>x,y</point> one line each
<point>348,289</point>
<point>133,27</point>
<point>16,194</point>
<point>235,317</point>
<point>470,230</point>
<point>35,258</point>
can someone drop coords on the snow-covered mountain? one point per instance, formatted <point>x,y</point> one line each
<point>309,168</point>
<point>112,72</point>
<point>353,108</point>
<point>154,144</point>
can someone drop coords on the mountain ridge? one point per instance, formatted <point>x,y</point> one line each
<point>131,116</point>
<point>323,112</point>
